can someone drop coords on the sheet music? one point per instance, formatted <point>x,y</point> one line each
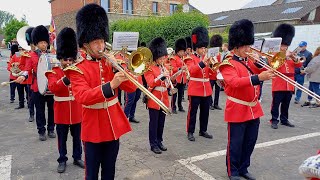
<point>271,45</point>
<point>213,51</point>
<point>258,44</point>
<point>127,40</point>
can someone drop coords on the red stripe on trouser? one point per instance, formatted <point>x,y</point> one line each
<point>85,165</point>
<point>189,109</point>
<point>228,151</point>
<point>271,106</point>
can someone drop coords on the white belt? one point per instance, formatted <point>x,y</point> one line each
<point>103,105</point>
<point>160,88</point>
<point>250,104</point>
<point>199,79</point>
<point>60,99</point>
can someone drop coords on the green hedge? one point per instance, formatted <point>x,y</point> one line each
<point>178,25</point>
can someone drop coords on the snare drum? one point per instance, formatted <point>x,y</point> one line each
<point>46,62</point>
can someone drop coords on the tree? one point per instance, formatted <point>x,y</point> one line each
<point>5,17</point>
<point>11,29</point>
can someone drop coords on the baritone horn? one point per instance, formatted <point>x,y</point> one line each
<point>21,38</point>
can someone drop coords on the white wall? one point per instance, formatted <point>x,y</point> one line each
<point>308,33</point>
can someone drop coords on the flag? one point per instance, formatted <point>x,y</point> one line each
<point>52,36</point>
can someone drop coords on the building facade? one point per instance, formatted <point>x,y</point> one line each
<point>64,11</point>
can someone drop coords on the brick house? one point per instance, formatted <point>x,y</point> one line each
<point>64,11</point>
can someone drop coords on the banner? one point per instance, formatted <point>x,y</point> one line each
<point>52,36</point>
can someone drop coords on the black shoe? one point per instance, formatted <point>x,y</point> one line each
<point>211,108</point>
<point>206,135</point>
<point>287,124</point>
<point>217,107</point>
<point>19,107</point>
<point>156,150</point>
<point>174,111</point>
<point>31,118</point>
<point>274,126</point>
<point>133,120</point>
<point>51,134</point>
<point>307,103</point>
<point>79,163</point>
<point>42,137</point>
<point>181,110</point>
<point>11,101</point>
<point>314,105</point>
<point>191,137</point>
<point>162,147</point>
<point>62,167</point>
<point>234,178</point>
<point>248,176</point>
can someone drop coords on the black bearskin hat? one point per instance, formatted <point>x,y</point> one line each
<point>216,41</point>
<point>180,44</point>
<point>158,48</point>
<point>286,32</point>
<point>14,48</point>
<point>241,33</point>
<point>188,40</point>
<point>40,33</point>
<point>67,44</point>
<point>92,24</point>
<point>200,37</point>
<point>28,35</point>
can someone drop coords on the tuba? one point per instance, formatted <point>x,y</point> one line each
<point>21,38</point>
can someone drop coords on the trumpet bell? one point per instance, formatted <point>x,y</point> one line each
<point>277,60</point>
<point>139,60</point>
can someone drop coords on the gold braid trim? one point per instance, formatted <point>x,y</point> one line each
<point>73,68</point>
<point>226,62</point>
<point>50,71</point>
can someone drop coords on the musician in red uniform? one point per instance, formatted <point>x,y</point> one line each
<point>215,41</point>
<point>199,88</point>
<point>282,90</point>
<point>156,78</point>
<point>14,61</point>
<point>40,38</point>
<point>94,86</point>
<point>243,110</point>
<point>179,67</point>
<point>67,111</point>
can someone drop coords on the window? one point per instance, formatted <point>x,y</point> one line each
<point>155,7</point>
<point>173,8</point>
<point>127,6</point>
<point>291,10</point>
<point>105,4</point>
<point>220,18</point>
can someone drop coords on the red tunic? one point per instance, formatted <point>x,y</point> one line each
<point>25,56</point>
<point>199,84</point>
<point>31,66</point>
<point>67,111</point>
<point>13,59</point>
<point>104,124</point>
<point>177,63</point>
<point>278,84</point>
<point>237,84</point>
<point>154,81</point>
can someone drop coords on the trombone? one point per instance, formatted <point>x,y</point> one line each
<point>275,62</point>
<point>135,58</point>
<point>168,81</point>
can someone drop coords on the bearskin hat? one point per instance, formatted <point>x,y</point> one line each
<point>143,44</point>
<point>199,37</point>
<point>158,48</point>
<point>216,41</point>
<point>67,44</point>
<point>14,48</point>
<point>40,33</point>
<point>92,24</point>
<point>286,32</point>
<point>188,40</point>
<point>180,44</point>
<point>241,33</point>
<point>28,35</point>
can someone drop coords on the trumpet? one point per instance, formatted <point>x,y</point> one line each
<point>168,81</point>
<point>293,55</point>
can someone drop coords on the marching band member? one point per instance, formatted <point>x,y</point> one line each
<point>199,88</point>
<point>181,80</point>
<point>14,61</point>
<point>67,111</point>
<point>215,41</point>
<point>243,110</point>
<point>156,78</point>
<point>40,38</point>
<point>95,86</point>
<point>282,90</point>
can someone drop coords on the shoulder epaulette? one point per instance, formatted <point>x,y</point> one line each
<point>73,68</point>
<point>25,54</point>
<point>50,71</point>
<point>226,62</point>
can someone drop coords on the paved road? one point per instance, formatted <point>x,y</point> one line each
<point>32,159</point>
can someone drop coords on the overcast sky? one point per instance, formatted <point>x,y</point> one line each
<point>42,14</point>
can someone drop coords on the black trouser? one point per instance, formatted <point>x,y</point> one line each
<point>30,101</point>
<point>242,138</point>
<point>180,87</point>
<point>156,126</point>
<point>21,89</point>
<point>13,87</point>
<point>131,103</point>
<point>40,101</point>
<point>282,98</point>
<point>104,154</point>
<point>62,132</point>
<point>194,102</point>
<point>214,84</point>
